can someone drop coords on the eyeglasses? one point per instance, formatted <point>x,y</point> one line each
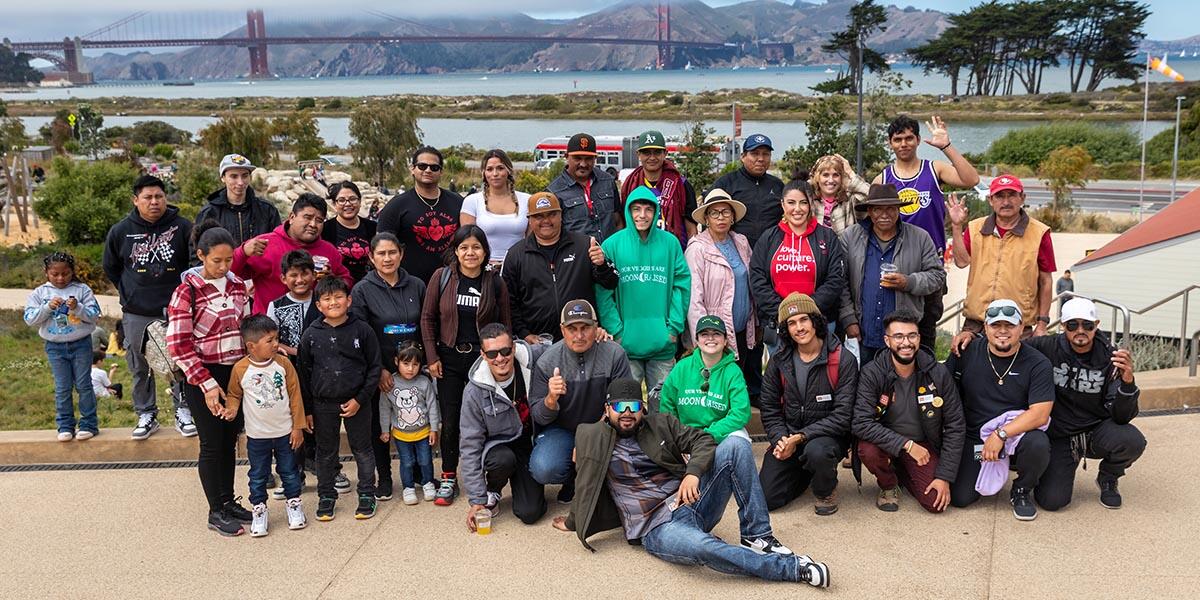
<point>900,337</point>
<point>1074,324</point>
<point>719,213</point>
<point>620,406</point>
<point>705,373</point>
<point>428,167</point>
<point>492,354</point>
<point>346,201</point>
<point>1007,311</point>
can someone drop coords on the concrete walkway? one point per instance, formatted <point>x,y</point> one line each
<point>140,534</point>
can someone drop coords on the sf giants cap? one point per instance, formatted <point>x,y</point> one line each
<point>581,144</point>
<point>1005,182</point>
<point>234,161</point>
<point>543,202</point>
<point>578,311</point>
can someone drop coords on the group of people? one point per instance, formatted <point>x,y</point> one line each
<point>608,338</point>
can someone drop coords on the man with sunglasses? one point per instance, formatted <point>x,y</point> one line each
<point>1007,392</point>
<point>496,428</point>
<point>633,475</point>
<point>591,202</point>
<point>423,218</point>
<point>1095,400</point>
<point>908,419</point>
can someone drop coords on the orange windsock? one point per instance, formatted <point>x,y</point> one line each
<point>1161,67</point>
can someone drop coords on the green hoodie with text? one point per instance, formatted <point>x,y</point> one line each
<point>722,410</point>
<point>650,302</point>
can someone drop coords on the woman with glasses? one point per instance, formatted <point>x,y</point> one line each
<point>350,233</point>
<point>461,297</point>
<point>500,210</point>
<point>719,259</point>
<point>706,390</point>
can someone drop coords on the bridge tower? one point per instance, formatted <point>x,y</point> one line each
<point>73,61</point>
<point>664,35</point>
<point>256,29</point>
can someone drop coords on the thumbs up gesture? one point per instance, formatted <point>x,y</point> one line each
<point>595,253</point>
<point>557,387</point>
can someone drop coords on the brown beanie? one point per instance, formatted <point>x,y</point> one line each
<point>796,304</point>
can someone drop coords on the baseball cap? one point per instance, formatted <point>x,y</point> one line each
<point>1078,308</point>
<point>756,141</point>
<point>543,202</point>
<point>582,144</point>
<point>624,388</point>
<point>234,161</point>
<point>651,140</point>
<point>1005,182</point>
<point>578,311</point>
<point>1003,310</point>
<point>708,322</point>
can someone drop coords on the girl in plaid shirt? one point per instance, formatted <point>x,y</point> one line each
<point>203,321</point>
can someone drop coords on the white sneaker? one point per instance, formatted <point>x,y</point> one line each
<point>84,435</point>
<point>295,514</point>
<point>146,426</point>
<point>410,496</point>
<point>66,436</point>
<point>184,424</point>
<point>277,493</point>
<point>429,491</point>
<point>258,527</point>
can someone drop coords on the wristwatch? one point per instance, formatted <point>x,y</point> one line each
<point>1003,435</point>
<point>1044,319</point>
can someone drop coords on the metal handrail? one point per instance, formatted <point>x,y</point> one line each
<point>1195,353</point>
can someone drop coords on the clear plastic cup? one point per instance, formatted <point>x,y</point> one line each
<point>886,269</point>
<point>321,263</point>
<point>483,522</point>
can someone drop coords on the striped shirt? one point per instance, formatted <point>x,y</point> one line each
<point>208,333</point>
<point>640,488</point>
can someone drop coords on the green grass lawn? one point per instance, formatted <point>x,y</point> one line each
<point>27,388</point>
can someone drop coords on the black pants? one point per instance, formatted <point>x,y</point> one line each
<point>814,463</point>
<point>750,360</point>
<point>218,441</point>
<point>1117,447</point>
<point>327,423</point>
<point>935,306</point>
<point>1030,459</point>
<point>450,390</point>
<point>383,450</point>
<point>509,464</point>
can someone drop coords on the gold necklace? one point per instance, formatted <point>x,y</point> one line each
<point>999,377</point>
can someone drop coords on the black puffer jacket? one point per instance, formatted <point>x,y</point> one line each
<point>538,288</point>
<point>824,410</point>
<point>761,195</point>
<point>251,218</point>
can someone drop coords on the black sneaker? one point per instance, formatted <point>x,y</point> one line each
<point>366,507</point>
<point>383,490</point>
<point>1023,507</point>
<point>1109,496</point>
<point>238,512</point>
<point>815,574</point>
<point>220,522</point>
<point>325,508</point>
<point>566,493</point>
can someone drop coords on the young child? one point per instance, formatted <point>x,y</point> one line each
<point>339,366</point>
<point>274,416</point>
<point>65,312</point>
<point>102,383</point>
<point>409,415</point>
<point>294,311</point>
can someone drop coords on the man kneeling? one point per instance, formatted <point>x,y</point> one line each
<point>630,473</point>
<point>908,419</point>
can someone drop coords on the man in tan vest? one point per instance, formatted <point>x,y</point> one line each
<point>1011,257</point>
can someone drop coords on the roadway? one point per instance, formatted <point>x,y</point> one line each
<point>1114,196</point>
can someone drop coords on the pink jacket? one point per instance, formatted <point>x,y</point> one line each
<point>264,270</point>
<point>712,285</point>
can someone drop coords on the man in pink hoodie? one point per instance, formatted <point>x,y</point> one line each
<point>259,259</point>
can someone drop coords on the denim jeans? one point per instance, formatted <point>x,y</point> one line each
<point>550,461</point>
<point>71,365</point>
<point>753,519</point>
<point>259,452</point>
<point>685,539</point>
<point>653,372</point>
<point>418,453</point>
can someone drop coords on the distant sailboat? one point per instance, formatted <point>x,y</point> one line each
<point>688,66</point>
<point>829,71</point>
<point>1183,54</point>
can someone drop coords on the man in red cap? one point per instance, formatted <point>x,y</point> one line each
<point>1011,257</point>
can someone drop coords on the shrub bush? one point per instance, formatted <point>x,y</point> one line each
<point>1031,146</point>
<point>545,103</point>
<point>21,266</point>
<point>304,103</point>
<point>83,200</point>
<point>164,151</point>
<point>335,104</point>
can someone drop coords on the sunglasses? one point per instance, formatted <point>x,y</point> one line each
<point>705,373</point>
<point>1007,311</point>
<point>428,167</point>
<point>492,354</point>
<point>1074,324</point>
<point>620,406</point>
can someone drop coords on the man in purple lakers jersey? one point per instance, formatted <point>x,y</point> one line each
<point>919,183</point>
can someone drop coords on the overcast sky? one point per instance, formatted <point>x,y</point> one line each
<point>53,19</point>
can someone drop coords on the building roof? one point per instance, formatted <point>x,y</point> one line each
<point>1180,218</point>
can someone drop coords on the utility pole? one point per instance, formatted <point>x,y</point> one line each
<point>858,150</point>
<point>1175,155</point>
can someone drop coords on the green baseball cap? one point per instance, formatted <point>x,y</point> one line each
<point>708,322</point>
<point>651,140</point>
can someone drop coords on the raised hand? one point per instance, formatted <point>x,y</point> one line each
<point>957,209</point>
<point>938,136</point>
<point>595,253</point>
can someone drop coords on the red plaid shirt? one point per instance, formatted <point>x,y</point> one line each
<point>211,335</point>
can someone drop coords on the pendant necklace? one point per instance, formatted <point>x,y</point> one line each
<point>999,377</point>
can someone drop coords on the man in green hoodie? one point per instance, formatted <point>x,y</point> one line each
<point>647,311</point>
<point>707,391</point>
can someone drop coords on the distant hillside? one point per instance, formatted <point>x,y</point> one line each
<point>804,25</point>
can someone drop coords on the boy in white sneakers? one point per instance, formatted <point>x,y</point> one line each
<point>274,415</point>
